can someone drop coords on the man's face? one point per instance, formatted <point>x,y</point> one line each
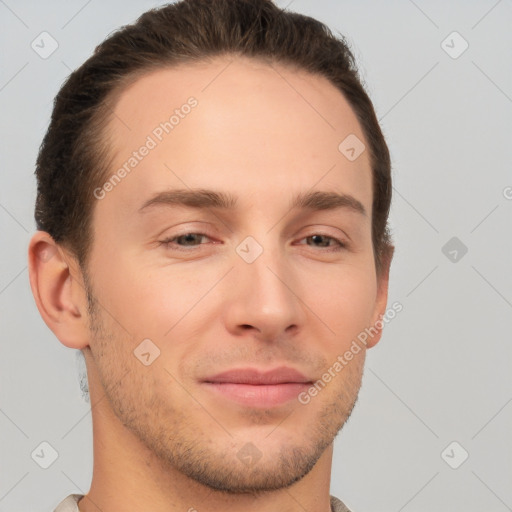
<point>208,300</point>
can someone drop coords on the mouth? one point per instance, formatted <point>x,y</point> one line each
<point>254,388</point>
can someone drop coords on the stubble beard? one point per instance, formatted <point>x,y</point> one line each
<point>182,444</point>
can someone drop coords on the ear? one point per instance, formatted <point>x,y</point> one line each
<point>381,298</point>
<point>58,289</point>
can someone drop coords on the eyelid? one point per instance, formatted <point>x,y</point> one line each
<point>168,240</point>
<point>340,245</point>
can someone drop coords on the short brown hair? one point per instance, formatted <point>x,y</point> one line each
<point>75,157</point>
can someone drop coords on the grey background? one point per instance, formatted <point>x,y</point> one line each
<point>440,374</point>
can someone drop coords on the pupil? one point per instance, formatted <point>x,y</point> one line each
<point>189,237</point>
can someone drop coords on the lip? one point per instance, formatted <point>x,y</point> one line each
<point>255,388</point>
<point>280,375</point>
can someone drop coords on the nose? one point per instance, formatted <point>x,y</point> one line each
<point>264,300</point>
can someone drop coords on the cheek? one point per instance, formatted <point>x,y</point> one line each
<point>344,300</point>
<point>156,301</point>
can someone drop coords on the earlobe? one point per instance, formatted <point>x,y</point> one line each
<point>382,297</point>
<point>59,296</point>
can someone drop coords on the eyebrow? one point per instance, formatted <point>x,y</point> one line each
<point>204,198</point>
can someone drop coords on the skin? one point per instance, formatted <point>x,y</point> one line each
<point>162,441</point>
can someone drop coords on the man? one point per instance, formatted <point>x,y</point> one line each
<point>213,194</point>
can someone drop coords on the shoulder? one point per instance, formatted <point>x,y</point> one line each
<point>69,504</point>
<point>337,505</point>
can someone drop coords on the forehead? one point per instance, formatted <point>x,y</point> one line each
<point>237,122</point>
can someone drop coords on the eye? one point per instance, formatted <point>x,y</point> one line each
<point>189,241</point>
<point>325,241</point>
<point>178,242</point>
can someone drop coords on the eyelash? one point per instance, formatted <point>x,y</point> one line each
<point>168,241</point>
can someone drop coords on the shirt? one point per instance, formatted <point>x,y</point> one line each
<point>70,504</point>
